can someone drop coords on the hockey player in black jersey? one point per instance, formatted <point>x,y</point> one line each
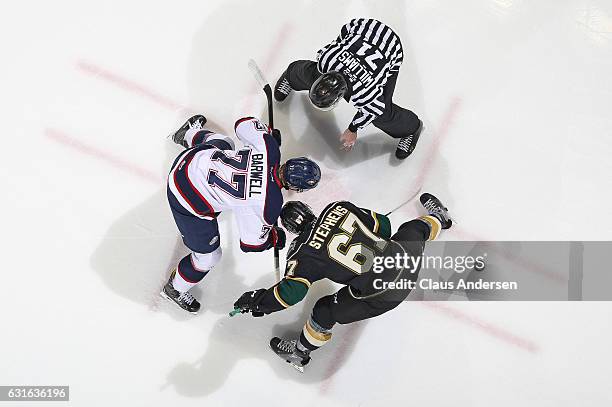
<point>361,66</point>
<point>341,245</point>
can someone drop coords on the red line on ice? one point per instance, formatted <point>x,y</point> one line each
<point>132,86</point>
<point>109,158</point>
<point>146,92</point>
<point>526,265</point>
<point>486,327</point>
<point>348,341</point>
<point>438,137</point>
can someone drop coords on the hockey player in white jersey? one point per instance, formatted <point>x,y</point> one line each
<point>211,177</point>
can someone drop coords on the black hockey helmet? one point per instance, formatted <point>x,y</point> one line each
<point>327,91</point>
<point>296,216</point>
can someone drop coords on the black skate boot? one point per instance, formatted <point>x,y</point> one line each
<point>282,89</point>
<point>436,209</point>
<point>195,122</point>
<point>183,300</point>
<point>288,351</point>
<point>406,145</point>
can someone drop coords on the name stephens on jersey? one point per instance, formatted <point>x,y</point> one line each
<point>322,232</point>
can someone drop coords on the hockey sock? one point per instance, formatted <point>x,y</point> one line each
<point>187,275</point>
<point>434,226</point>
<point>313,336</point>
<point>198,136</point>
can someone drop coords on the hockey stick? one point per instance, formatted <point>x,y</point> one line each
<point>405,202</point>
<point>266,88</point>
<point>268,91</point>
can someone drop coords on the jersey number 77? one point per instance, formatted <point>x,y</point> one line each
<point>240,162</point>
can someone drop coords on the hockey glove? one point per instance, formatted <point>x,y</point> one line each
<point>249,302</point>
<point>279,238</point>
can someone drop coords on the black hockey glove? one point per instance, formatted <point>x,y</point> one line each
<point>277,136</point>
<point>249,302</point>
<point>279,238</point>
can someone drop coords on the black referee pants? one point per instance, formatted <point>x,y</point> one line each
<point>395,120</point>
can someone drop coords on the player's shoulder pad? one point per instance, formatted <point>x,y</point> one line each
<point>381,224</point>
<point>243,120</point>
<point>250,129</point>
<point>348,205</point>
<point>342,204</point>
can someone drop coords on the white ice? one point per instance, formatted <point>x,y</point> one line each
<point>516,98</point>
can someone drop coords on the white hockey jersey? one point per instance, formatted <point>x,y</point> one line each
<point>211,177</point>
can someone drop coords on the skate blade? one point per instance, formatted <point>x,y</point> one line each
<point>297,367</point>
<point>164,295</point>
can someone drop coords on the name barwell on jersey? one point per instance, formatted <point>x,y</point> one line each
<point>326,226</point>
<point>256,175</point>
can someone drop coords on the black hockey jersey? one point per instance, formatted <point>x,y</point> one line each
<point>341,246</point>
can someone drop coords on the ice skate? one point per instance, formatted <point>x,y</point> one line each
<point>407,144</point>
<point>195,122</point>
<point>184,300</point>
<point>282,89</point>
<point>288,351</point>
<point>436,209</point>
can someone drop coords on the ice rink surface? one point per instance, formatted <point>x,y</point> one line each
<point>516,98</point>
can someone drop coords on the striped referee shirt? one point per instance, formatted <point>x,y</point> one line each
<point>367,53</point>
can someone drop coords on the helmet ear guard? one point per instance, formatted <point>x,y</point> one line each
<point>296,216</point>
<point>327,90</point>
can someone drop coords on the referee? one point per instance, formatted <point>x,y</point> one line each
<point>361,66</point>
